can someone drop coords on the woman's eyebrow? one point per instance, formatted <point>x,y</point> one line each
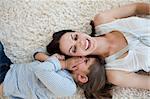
<point>70,49</point>
<point>71,46</point>
<point>71,36</point>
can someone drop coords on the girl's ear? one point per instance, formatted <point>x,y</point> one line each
<point>82,78</point>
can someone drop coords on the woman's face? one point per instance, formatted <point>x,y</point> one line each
<point>77,44</point>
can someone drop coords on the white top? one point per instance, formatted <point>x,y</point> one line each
<point>137,33</point>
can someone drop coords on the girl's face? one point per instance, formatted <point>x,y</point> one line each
<point>80,64</point>
<point>77,44</point>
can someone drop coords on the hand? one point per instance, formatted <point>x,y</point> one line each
<point>60,57</point>
<point>40,56</point>
<point>72,63</point>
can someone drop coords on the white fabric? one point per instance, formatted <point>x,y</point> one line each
<point>137,33</point>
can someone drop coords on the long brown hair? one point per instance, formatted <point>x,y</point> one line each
<point>53,46</point>
<point>96,87</point>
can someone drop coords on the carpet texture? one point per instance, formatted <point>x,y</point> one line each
<point>26,25</point>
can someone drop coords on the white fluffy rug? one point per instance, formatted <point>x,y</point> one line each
<point>28,24</point>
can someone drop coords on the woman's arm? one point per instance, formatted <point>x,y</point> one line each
<point>125,79</point>
<point>122,12</point>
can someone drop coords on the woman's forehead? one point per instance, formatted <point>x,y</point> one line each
<point>66,35</point>
<point>65,43</point>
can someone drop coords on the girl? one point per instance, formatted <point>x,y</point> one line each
<point>43,80</point>
<point>124,43</point>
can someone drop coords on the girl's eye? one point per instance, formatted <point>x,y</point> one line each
<point>75,37</point>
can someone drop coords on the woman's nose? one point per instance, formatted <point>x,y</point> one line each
<point>80,43</point>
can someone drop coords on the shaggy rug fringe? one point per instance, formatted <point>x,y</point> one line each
<point>26,25</point>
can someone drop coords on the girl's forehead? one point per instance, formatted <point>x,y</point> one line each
<point>93,61</point>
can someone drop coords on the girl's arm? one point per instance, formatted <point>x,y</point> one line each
<point>125,79</point>
<point>69,64</point>
<point>40,56</point>
<point>58,84</point>
<point>122,12</point>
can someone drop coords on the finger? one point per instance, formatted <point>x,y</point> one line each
<point>73,68</point>
<point>77,62</point>
<point>62,57</point>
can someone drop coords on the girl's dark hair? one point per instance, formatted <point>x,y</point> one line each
<point>53,46</point>
<point>96,87</point>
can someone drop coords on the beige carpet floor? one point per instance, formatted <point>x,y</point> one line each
<point>26,25</point>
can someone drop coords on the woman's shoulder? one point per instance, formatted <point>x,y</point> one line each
<point>116,76</point>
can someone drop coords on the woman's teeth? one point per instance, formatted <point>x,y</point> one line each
<point>87,45</point>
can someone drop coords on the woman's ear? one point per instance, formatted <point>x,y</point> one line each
<point>82,78</point>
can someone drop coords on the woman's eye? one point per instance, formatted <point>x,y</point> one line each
<point>86,61</point>
<point>76,37</point>
<point>74,49</point>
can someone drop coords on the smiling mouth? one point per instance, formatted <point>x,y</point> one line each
<point>87,44</point>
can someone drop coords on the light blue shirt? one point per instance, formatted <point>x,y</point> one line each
<point>38,80</point>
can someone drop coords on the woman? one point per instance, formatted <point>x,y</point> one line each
<point>44,80</point>
<point>124,43</point>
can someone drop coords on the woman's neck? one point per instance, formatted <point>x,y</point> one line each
<point>103,46</point>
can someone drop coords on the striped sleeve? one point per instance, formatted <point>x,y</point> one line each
<point>47,73</point>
